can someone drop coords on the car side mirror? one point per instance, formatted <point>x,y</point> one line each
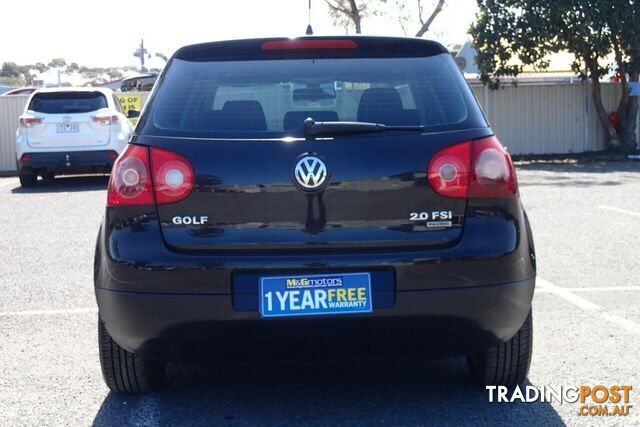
<point>132,114</point>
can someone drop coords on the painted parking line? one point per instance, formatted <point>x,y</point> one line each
<point>48,312</point>
<point>606,289</point>
<point>588,306</point>
<point>566,294</point>
<point>586,290</point>
<point>624,211</point>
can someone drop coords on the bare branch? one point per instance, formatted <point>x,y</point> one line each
<point>349,9</point>
<point>404,30</point>
<point>355,15</point>
<point>420,12</point>
<point>337,7</point>
<point>434,14</point>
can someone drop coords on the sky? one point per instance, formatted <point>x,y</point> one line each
<point>106,34</point>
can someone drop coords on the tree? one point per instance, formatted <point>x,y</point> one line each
<point>26,72</point>
<point>512,34</point>
<point>16,81</point>
<point>9,69</point>
<point>57,62</point>
<point>348,12</point>
<point>13,75</point>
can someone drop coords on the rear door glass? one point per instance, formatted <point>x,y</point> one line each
<point>67,102</point>
<point>274,97</point>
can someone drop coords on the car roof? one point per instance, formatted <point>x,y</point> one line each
<point>367,46</point>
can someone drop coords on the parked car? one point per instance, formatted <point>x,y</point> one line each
<point>139,83</point>
<point>70,131</point>
<point>4,89</point>
<point>28,90</point>
<point>312,197</point>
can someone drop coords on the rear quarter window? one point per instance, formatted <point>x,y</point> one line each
<point>271,98</point>
<point>67,102</point>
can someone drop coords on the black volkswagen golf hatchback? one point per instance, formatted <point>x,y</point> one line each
<point>311,198</point>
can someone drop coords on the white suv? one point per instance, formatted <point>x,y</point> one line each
<point>70,131</point>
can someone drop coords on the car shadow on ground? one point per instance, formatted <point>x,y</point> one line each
<point>578,174</point>
<point>436,392</point>
<point>65,184</point>
<point>581,167</point>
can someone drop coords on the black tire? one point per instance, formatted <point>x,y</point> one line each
<point>27,179</point>
<point>507,364</point>
<point>126,372</point>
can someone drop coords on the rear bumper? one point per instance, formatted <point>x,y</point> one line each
<point>430,323</point>
<point>68,162</point>
<point>444,301</point>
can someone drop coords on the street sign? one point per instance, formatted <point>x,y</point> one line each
<point>635,88</point>
<point>130,101</point>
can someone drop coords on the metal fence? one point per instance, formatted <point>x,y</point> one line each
<point>528,119</point>
<point>11,108</point>
<point>547,119</point>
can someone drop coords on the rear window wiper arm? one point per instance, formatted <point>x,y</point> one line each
<point>313,128</point>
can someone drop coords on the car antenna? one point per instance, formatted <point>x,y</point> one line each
<point>309,31</point>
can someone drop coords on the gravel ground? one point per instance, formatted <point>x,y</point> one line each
<point>586,221</point>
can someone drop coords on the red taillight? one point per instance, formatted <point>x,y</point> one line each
<point>113,155</point>
<point>131,181</point>
<point>30,121</point>
<point>294,44</point>
<point>173,176</point>
<point>25,157</point>
<point>448,171</point>
<point>494,174</point>
<point>473,169</point>
<point>105,119</point>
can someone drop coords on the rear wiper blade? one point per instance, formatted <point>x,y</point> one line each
<point>313,128</point>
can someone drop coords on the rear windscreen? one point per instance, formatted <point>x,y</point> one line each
<point>267,98</point>
<point>67,102</point>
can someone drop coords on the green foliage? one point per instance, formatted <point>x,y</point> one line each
<point>23,75</point>
<point>600,34</point>
<point>9,69</point>
<point>15,81</point>
<point>529,30</point>
<point>57,62</point>
<point>14,74</point>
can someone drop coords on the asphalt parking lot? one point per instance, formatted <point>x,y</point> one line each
<point>586,222</point>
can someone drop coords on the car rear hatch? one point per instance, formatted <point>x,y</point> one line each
<point>243,136</point>
<point>68,120</point>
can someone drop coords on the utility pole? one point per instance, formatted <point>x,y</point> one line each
<point>140,53</point>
